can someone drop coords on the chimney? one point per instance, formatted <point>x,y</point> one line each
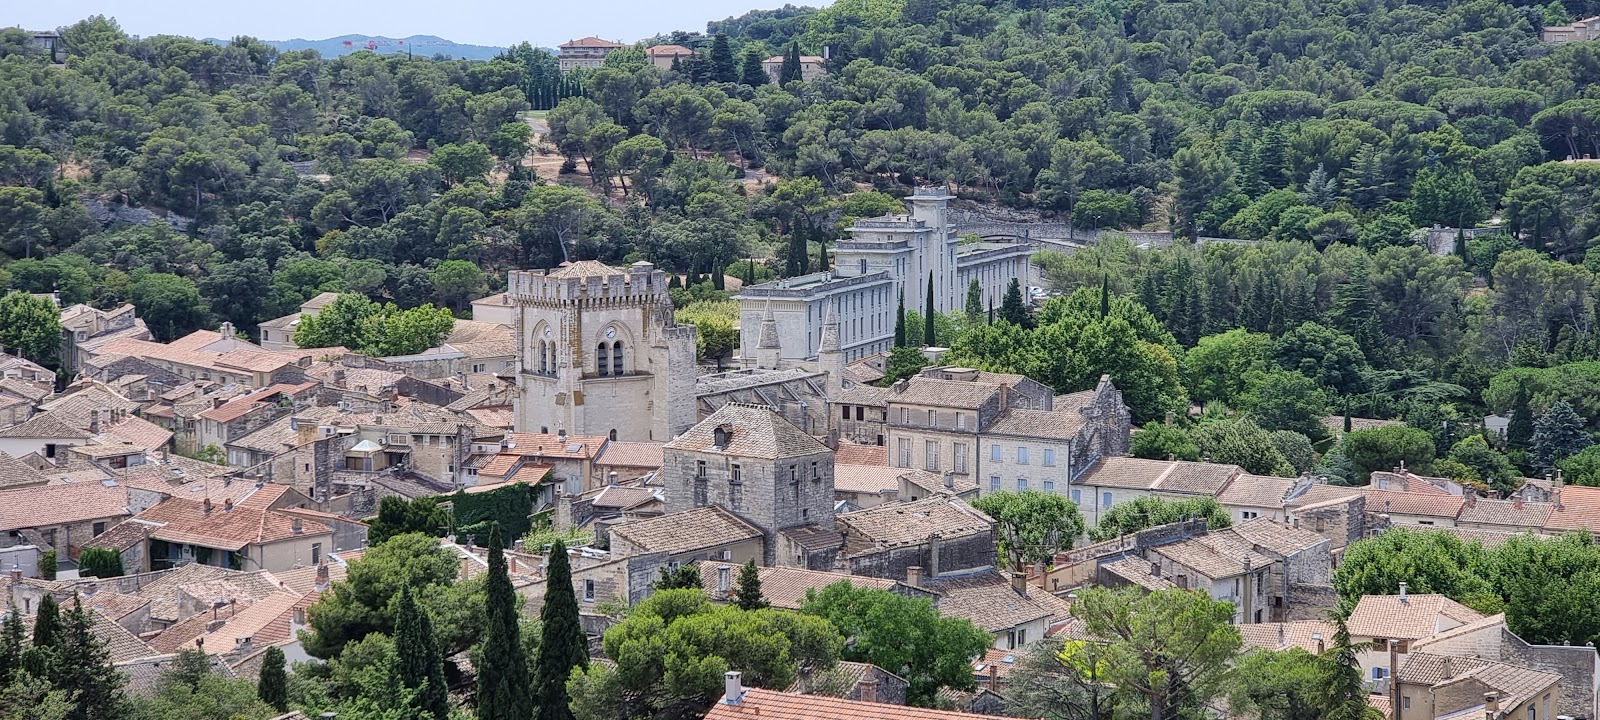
<point>296,526</point>
<point>1517,502</point>
<point>205,507</point>
<point>1449,667</point>
<point>1470,498</point>
<point>322,574</point>
<point>1155,569</point>
<point>1320,645</point>
<point>242,645</point>
<point>94,422</point>
<point>611,478</point>
<point>1019,583</point>
<point>1491,705</point>
<point>16,573</point>
<point>227,504</point>
<point>724,579</point>
<point>561,434</point>
<point>200,644</point>
<point>732,691</point>
<point>949,481</point>
<point>1403,593</point>
<point>914,576</point>
<point>869,690</point>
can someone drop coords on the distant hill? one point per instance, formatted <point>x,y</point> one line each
<point>425,45</point>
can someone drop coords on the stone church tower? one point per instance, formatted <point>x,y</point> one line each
<point>598,353</point>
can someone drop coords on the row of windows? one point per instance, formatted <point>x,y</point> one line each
<point>995,455</point>
<point>1022,485</point>
<point>933,418</point>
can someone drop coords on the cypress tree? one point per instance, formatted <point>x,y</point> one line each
<point>748,594</point>
<point>563,645</point>
<point>752,72</point>
<point>1012,309</point>
<point>503,680</point>
<point>85,667</point>
<point>722,68</point>
<point>1105,294</point>
<point>927,316</point>
<point>790,72</point>
<point>273,687</point>
<point>1347,415</point>
<point>1461,243</point>
<point>750,272</point>
<point>12,634</point>
<point>1519,430</point>
<point>47,627</point>
<point>900,321</point>
<point>991,312</point>
<point>419,662</point>
<point>974,307</point>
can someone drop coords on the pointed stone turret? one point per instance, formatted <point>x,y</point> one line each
<point>768,351</point>
<point>830,358</point>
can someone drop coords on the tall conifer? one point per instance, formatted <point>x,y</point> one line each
<point>503,690</point>
<point>563,645</point>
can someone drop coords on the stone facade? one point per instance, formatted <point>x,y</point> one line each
<point>599,354</point>
<point>935,556</point>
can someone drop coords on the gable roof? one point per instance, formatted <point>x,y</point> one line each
<point>753,431</point>
<point>1515,514</point>
<point>1276,537</point>
<point>686,531</point>
<point>590,42</point>
<point>1262,491</point>
<point>631,454</point>
<point>1577,508</point>
<point>1415,618</point>
<point>1425,504</point>
<point>1173,476</point>
<point>988,600</point>
<point>47,505</point>
<point>1215,556</point>
<point>45,426</point>
<point>849,453</point>
<point>964,394</point>
<point>870,479</point>
<point>1052,424</point>
<point>186,521</point>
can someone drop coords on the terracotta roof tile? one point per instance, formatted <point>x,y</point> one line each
<point>1417,618</point>
<point>589,42</point>
<point>758,704</point>
<point>944,393</point>
<point>495,417</point>
<point>686,531</point>
<point>849,453</point>
<point>869,479</point>
<point>1214,556</point>
<point>1275,537</point>
<point>1053,424</point>
<point>753,431</point>
<point>259,622</point>
<point>1515,515</point>
<point>1413,503</point>
<point>140,432</point>
<point>1578,508</point>
<point>186,521</point>
<point>668,51</point>
<point>44,426</point>
<point>557,446</point>
<point>1136,570</point>
<point>632,455</point>
<point>47,505</point>
<point>15,473</point>
<point>122,535</point>
<point>1258,491</point>
<point>1284,635</point>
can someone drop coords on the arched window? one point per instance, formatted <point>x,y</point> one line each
<point>544,358</point>
<point>612,435</point>
<point>602,359</point>
<point>616,358</point>
<point>552,351</point>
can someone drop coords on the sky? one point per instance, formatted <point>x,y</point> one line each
<point>475,22</point>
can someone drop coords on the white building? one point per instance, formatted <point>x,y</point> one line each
<point>883,256</point>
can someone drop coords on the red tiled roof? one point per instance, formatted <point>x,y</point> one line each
<point>49,505</point>
<point>1413,503</point>
<point>849,453</point>
<point>591,42</point>
<point>668,50</point>
<point>186,521</point>
<point>632,454</point>
<point>140,432</point>
<point>772,705</point>
<point>232,410</point>
<point>1577,508</point>
<point>499,465</point>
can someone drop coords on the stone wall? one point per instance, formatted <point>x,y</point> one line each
<point>1578,667</point>
<point>936,557</point>
<point>1342,523</point>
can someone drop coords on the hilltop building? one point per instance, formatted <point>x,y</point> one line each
<point>1580,31</point>
<point>811,67</point>
<point>663,56</point>
<point>599,353</point>
<point>883,256</point>
<point>589,52</point>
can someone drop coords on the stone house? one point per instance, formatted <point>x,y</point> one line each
<point>1113,480</point>
<point>585,53</point>
<point>1490,639</point>
<point>811,67</point>
<point>1428,509</point>
<point>866,486</point>
<point>1390,624</point>
<point>854,681</point>
<point>1435,686</point>
<point>1302,563</point>
<point>60,517</point>
<point>663,56</point>
<point>86,328</point>
<point>44,435</point>
<point>248,535</point>
<point>215,355</point>
<point>759,466</point>
<point>704,533</point>
<point>940,535</point>
<point>238,415</point>
<point>1336,513</point>
<point>1258,496</point>
<point>1225,567</point>
<point>1515,515</point>
<point>1015,613</point>
<point>278,334</point>
<point>784,587</point>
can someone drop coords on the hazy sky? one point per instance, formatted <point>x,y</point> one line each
<point>478,22</point>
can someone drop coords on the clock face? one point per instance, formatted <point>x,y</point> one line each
<point>611,332</point>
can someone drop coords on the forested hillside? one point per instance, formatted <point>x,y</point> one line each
<point>1328,131</point>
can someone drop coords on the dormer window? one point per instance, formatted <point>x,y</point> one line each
<point>719,438</point>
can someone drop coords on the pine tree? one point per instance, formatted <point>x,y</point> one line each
<point>273,685</point>
<point>1012,309</point>
<point>752,71</point>
<point>900,321</point>
<point>419,662</point>
<point>1353,313</point>
<point>722,67</point>
<point>503,692</point>
<point>927,316</point>
<point>1519,429</point>
<point>85,666</point>
<point>12,637</point>
<point>974,308</point>
<point>748,594</point>
<point>563,645</point>
<point>1558,435</point>
<point>790,72</point>
<point>1321,189</point>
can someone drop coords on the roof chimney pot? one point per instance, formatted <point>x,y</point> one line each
<point>733,690</point>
